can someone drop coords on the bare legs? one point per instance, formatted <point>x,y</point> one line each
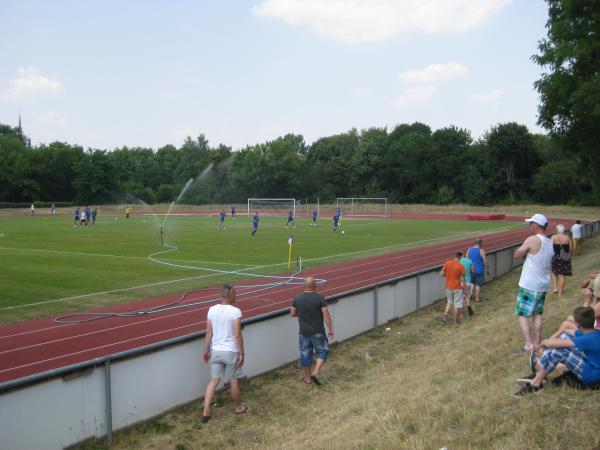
<point>538,321</point>
<point>210,393</point>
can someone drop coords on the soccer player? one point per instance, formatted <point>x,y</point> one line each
<point>255,223</point>
<point>32,209</point>
<point>338,211</point>
<point>76,216</point>
<point>222,220</point>
<point>232,211</point>
<point>315,213</point>
<point>94,213</point>
<point>53,209</point>
<point>127,211</point>
<point>336,222</point>
<point>87,215</point>
<point>83,217</point>
<point>290,219</point>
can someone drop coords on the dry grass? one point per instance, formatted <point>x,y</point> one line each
<point>421,385</point>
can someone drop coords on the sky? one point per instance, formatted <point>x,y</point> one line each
<point>149,73</point>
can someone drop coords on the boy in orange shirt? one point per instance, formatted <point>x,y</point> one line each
<point>454,272</point>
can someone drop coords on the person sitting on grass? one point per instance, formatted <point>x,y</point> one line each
<point>591,297</point>
<point>578,353</point>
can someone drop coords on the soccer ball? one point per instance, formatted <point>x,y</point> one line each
<point>116,218</point>
<point>343,231</point>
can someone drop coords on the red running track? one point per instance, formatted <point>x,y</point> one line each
<point>32,347</point>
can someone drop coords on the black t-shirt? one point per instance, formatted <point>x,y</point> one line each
<point>310,316</point>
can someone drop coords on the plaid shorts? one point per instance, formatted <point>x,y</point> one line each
<point>530,303</point>
<point>571,357</point>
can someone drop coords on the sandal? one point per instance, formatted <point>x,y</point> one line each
<point>245,409</point>
<point>204,418</point>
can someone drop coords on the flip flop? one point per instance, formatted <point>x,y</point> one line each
<point>205,419</point>
<point>315,380</point>
<point>245,409</point>
<point>307,380</point>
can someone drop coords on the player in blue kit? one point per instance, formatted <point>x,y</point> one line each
<point>255,223</point>
<point>290,219</point>
<point>222,220</point>
<point>315,213</point>
<point>336,221</point>
<point>94,213</point>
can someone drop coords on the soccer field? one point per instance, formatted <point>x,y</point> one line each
<point>50,266</point>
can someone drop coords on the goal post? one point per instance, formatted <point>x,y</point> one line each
<point>363,206</point>
<point>274,206</point>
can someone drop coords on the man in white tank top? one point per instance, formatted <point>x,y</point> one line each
<point>535,280</point>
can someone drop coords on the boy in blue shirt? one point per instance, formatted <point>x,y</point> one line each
<point>314,218</point>
<point>94,213</point>
<point>290,219</point>
<point>255,223</point>
<point>336,221</point>
<point>222,220</point>
<point>576,350</point>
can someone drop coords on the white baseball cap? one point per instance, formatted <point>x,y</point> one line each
<point>540,219</point>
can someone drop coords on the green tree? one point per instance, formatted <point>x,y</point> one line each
<point>511,145</point>
<point>557,182</point>
<point>570,86</point>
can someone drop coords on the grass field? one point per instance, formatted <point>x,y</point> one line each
<point>50,266</point>
<point>421,384</point>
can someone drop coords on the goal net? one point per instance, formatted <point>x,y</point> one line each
<point>274,206</point>
<point>363,206</point>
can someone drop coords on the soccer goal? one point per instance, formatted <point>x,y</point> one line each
<point>363,206</point>
<point>275,206</point>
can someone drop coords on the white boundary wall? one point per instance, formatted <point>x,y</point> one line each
<point>68,409</point>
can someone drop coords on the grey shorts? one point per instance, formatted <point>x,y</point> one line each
<point>455,297</point>
<point>224,365</point>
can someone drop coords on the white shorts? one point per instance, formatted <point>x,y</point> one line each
<point>455,297</point>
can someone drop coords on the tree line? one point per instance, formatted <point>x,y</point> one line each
<point>409,163</point>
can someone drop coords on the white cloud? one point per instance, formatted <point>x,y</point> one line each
<point>28,83</point>
<point>415,96</point>
<point>434,72</point>
<point>374,20</point>
<point>53,118</point>
<point>486,98</point>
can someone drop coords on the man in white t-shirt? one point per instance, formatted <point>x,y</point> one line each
<point>224,348</point>
<point>576,236</point>
<point>535,280</point>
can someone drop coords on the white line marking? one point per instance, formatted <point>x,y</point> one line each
<point>117,256</point>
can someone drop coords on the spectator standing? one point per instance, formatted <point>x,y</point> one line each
<point>454,272</point>
<point>469,270</point>
<point>535,280</point>
<point>480,267</point>
<point>577,236</point>
<point>311,309</point>
<point>224,349</point>
<point>561,261</point>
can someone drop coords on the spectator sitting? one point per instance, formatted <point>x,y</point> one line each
<point>577,351</point>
